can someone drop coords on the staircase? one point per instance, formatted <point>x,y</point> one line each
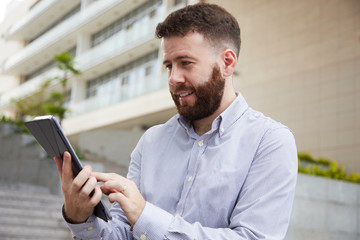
<point>29,213</point>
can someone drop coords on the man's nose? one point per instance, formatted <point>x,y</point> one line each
<point>176,76</point>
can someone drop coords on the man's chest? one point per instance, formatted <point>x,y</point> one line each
<point>199,180</point>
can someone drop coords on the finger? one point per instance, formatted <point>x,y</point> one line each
<point>59,164</point>
<point>89,186</point>
<point>67,173</point>
<point>95,199</point>
<point>117,197</point>
<point>82,177</point>
<point>102,177</point>
<point>105,191</point>
<point>116,186</point>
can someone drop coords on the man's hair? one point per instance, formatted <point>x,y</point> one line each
<point>212,21</point>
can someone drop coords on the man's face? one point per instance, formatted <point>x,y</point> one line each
<point>195,81</point>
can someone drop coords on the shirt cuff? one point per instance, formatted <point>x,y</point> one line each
<point>84,230</point>
<point>153,223</point>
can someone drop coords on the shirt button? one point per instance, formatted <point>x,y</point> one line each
<point>189,178</point>
<point>90,228</point>
<point>201,143</point>
<point>142,237</point>
<point>222,130</point>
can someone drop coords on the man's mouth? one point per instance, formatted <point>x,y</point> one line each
<point>181,95</point>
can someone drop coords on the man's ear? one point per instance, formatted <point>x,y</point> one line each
<point>229,62</point>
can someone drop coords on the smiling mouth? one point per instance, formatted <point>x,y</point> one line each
<point>185,94</point>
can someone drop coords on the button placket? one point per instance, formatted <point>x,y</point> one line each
<point>196,152</point>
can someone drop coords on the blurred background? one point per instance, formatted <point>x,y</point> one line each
<point>299,64</point>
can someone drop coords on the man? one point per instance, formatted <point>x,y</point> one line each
<point>218,170</point>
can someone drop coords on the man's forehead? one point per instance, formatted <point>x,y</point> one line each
<point>190,38</point>
<point>191,46</point>
<point>191,42</point>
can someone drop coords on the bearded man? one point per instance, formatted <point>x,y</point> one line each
<point>217,170</point>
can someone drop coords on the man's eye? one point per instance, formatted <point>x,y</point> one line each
<point>185,63</point>
<point>168,67</point>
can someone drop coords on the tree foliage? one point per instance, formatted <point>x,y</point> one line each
<point>50,100</point>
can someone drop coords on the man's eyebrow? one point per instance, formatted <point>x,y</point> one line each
<point>177,58</point>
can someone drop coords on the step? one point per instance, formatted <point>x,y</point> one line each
<point>3,237</point>
<point>25,232</point>
<point>46,204</point>
<point>51,214</point>
<point>11,220</point>
<point>27,194</point>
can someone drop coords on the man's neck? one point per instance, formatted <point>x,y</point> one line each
<point>203,125</point>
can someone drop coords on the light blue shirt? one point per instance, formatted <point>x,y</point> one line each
<point>237,181</point>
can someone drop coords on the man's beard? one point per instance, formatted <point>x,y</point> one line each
<point>208,97</point>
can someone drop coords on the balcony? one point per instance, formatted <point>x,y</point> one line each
<point>113,92</point>
<point>39,18</point>
<point>145,110</point>
<point>64,35</point>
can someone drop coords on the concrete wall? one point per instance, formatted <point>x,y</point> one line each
<point>300,64</point>
<point>23,161</point>
<point>110,146</point>
<point>111,143</point>
<point>325,209</point>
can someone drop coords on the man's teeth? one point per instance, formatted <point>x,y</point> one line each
<point>185,94</point>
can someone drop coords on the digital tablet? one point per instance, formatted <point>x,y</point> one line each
<point>48,133</point>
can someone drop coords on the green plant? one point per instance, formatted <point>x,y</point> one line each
<point>47,101</point>
<point>325,168</point>
<point>19,124</point>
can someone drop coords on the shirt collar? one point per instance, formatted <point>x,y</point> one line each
<point>224,120</point>
<point>232,113</point>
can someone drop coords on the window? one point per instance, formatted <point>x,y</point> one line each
<point>152,13</point>
<point>122,73</point>
<point>177,2</point>
<point>148,71</point>
<point>126,22</point>
<point>125,80</point>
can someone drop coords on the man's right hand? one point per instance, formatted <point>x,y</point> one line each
<point>78,205</point>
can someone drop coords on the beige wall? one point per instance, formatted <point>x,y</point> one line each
<point>300,64</point>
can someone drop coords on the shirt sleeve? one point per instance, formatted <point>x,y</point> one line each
<point>264,206</point>
<point>95,228</point>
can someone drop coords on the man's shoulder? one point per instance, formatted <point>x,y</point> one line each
<point>264,123</point>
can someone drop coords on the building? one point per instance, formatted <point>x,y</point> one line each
<point>299,64</point>
<point>123,87</point>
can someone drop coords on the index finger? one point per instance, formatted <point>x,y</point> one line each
<point>102,177</point>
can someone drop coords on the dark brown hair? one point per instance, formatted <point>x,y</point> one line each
<point>212,21</point>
